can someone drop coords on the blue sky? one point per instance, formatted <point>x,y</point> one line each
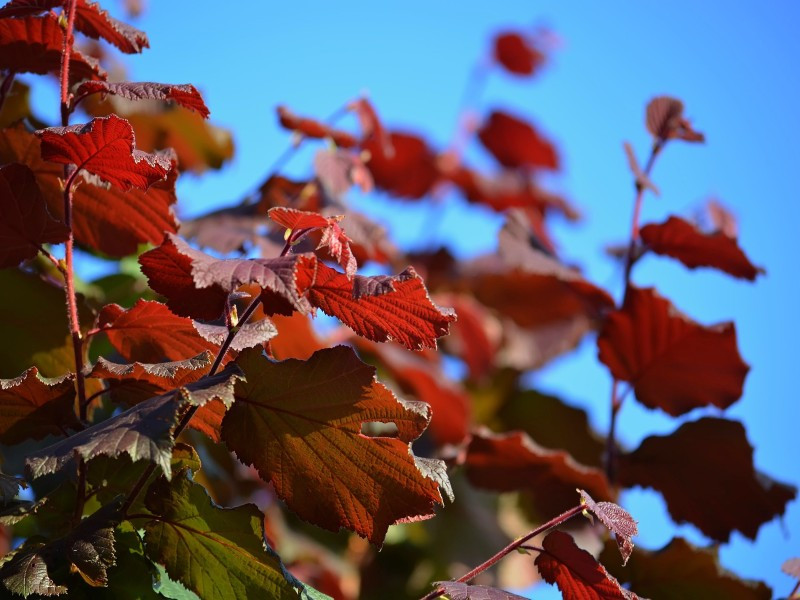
<point>732,65</point>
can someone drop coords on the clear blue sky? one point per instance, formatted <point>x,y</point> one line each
<point>735,68</point>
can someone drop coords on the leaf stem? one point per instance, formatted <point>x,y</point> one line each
<point>554,522</point>
<point>69,8</point>
<point>5,87</point>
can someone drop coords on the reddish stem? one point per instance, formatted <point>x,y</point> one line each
<point>554,522</point>
<point>69,9</point>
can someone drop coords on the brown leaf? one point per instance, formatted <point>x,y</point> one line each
<point>665,121</point>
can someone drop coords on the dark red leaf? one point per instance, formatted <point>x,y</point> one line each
<point>94,22</point>
<point>106,148</point>
<point>185,95</point>
<point>513,461</point>
<point>682,240</point>
<point>299,423</point>
<point>516,54</point>
<point>617,519</point>
<point>456,590</point>
<point>470,338</point>
<point>34,45</point>
<point>515,143</point>
<point>197,285</point>
<point>25,8</point>
<point>150,333</point>
<point>405,166</point>
<point>338,170</point>
<point>32,406</point>
<point>25,222</point>
<point>371,127</point>
<point>313,129</point>
<point>160,374</point>
<point>664,119</point>
<point>576,572</point>
<point>382,308</point>
<point>674,363</point>
<point>253,333</point>
<point>705,472</point>
<point>680,571</point>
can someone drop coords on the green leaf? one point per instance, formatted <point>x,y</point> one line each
<point>216,552</point>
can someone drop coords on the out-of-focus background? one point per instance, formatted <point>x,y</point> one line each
<point>734,66</point>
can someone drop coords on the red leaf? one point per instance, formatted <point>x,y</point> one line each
<point>197,285</point>
<point>149,332</point>
<point>371,127</point>
<point>515,143</point>
<point>404,166</point>
<point>164,376</point>
<point>294,219</point>
<point>34,45</point>
<point>94,22</point>
<point>456,590</point>
<point>105,147</point>
<point>314,453</point>
<point>185,95</point>
<point>296,337</point>
<point>25,222</point>
<point>673,363</point>
<point>578,575</point>
<point>617,519</point>
<point>515,53</point>
<point>252,333</point>
<point>382,308</point>
<point>513,461</point>
<point>665,120</point>
<point>32,406</point>
<point>314,129</point>
<point>705,472</point>
<point>682,240</point>
<point>470,337</point>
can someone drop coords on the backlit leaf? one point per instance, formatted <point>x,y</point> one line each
<point>674,363</point>
<point>682,240</point>
<point>516,54</point>
<point>402,164</point>
<point>219,553</point>
<point>705,472</point>
<point>299,423</point>
<point>25,223</point>
<point>252,333</point>
<point>382,308</point>
<point>313,129</point>
<point>576,572</point>
<point>106,148</point>
<point>32,406</point>
<point>456,590</point>
<point>185,95</point>
<point>617,519</point>
<point>515,143</point>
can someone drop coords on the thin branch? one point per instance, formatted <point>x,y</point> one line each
<point>56,263</point>
<point>5,87</point>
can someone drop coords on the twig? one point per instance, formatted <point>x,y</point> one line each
<point>5,87</point>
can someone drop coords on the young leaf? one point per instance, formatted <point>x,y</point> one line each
<point>313,129</point>
<point>185,95</point>
<point>682,240</point>
<point>197,285</point>
<point>516,144</point>
<point>576,572</point>
<point>32,406</point>
<point>456,590</point>
<point>299,423</point>
<point>516,54</point>
<point>382,308</point>
<point>680,571</point>
<point>106,148</point>
<point>35,44</point>
<point>664,119</point>
<point>149,332</point>
<point>143,432</point>
<point>219,553</point>
<point>705,472</point>
<point>617,519</point>
<point>674,363</point>
<point>25,223</point>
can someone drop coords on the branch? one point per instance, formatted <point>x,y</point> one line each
<point>5,87</point>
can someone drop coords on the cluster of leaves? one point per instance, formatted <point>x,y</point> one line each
<point>187,382</point>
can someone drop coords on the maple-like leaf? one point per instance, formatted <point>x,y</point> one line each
<point>673,363</point>
<point>105,147</point>
<point>32,406</point>
<point>664,119</point>
<point>576,572</point>
<point>150,332</point>
<point>681,240</point>
<point>681,571</point>
<point>516,54</point>
<point>382,308</point>
<point>515,143</point>
<point>313,129</point>
<point>143,432</point>
<point>617,519</point>
<point>197,285</point>
<point>300,424</point>
<point>513,461</point>
<point>705,472</point>
<point>25,222</point>
<point>456,590</point>
<point>34,45</point>
<point>185,95</point>
<point>402,164</point>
